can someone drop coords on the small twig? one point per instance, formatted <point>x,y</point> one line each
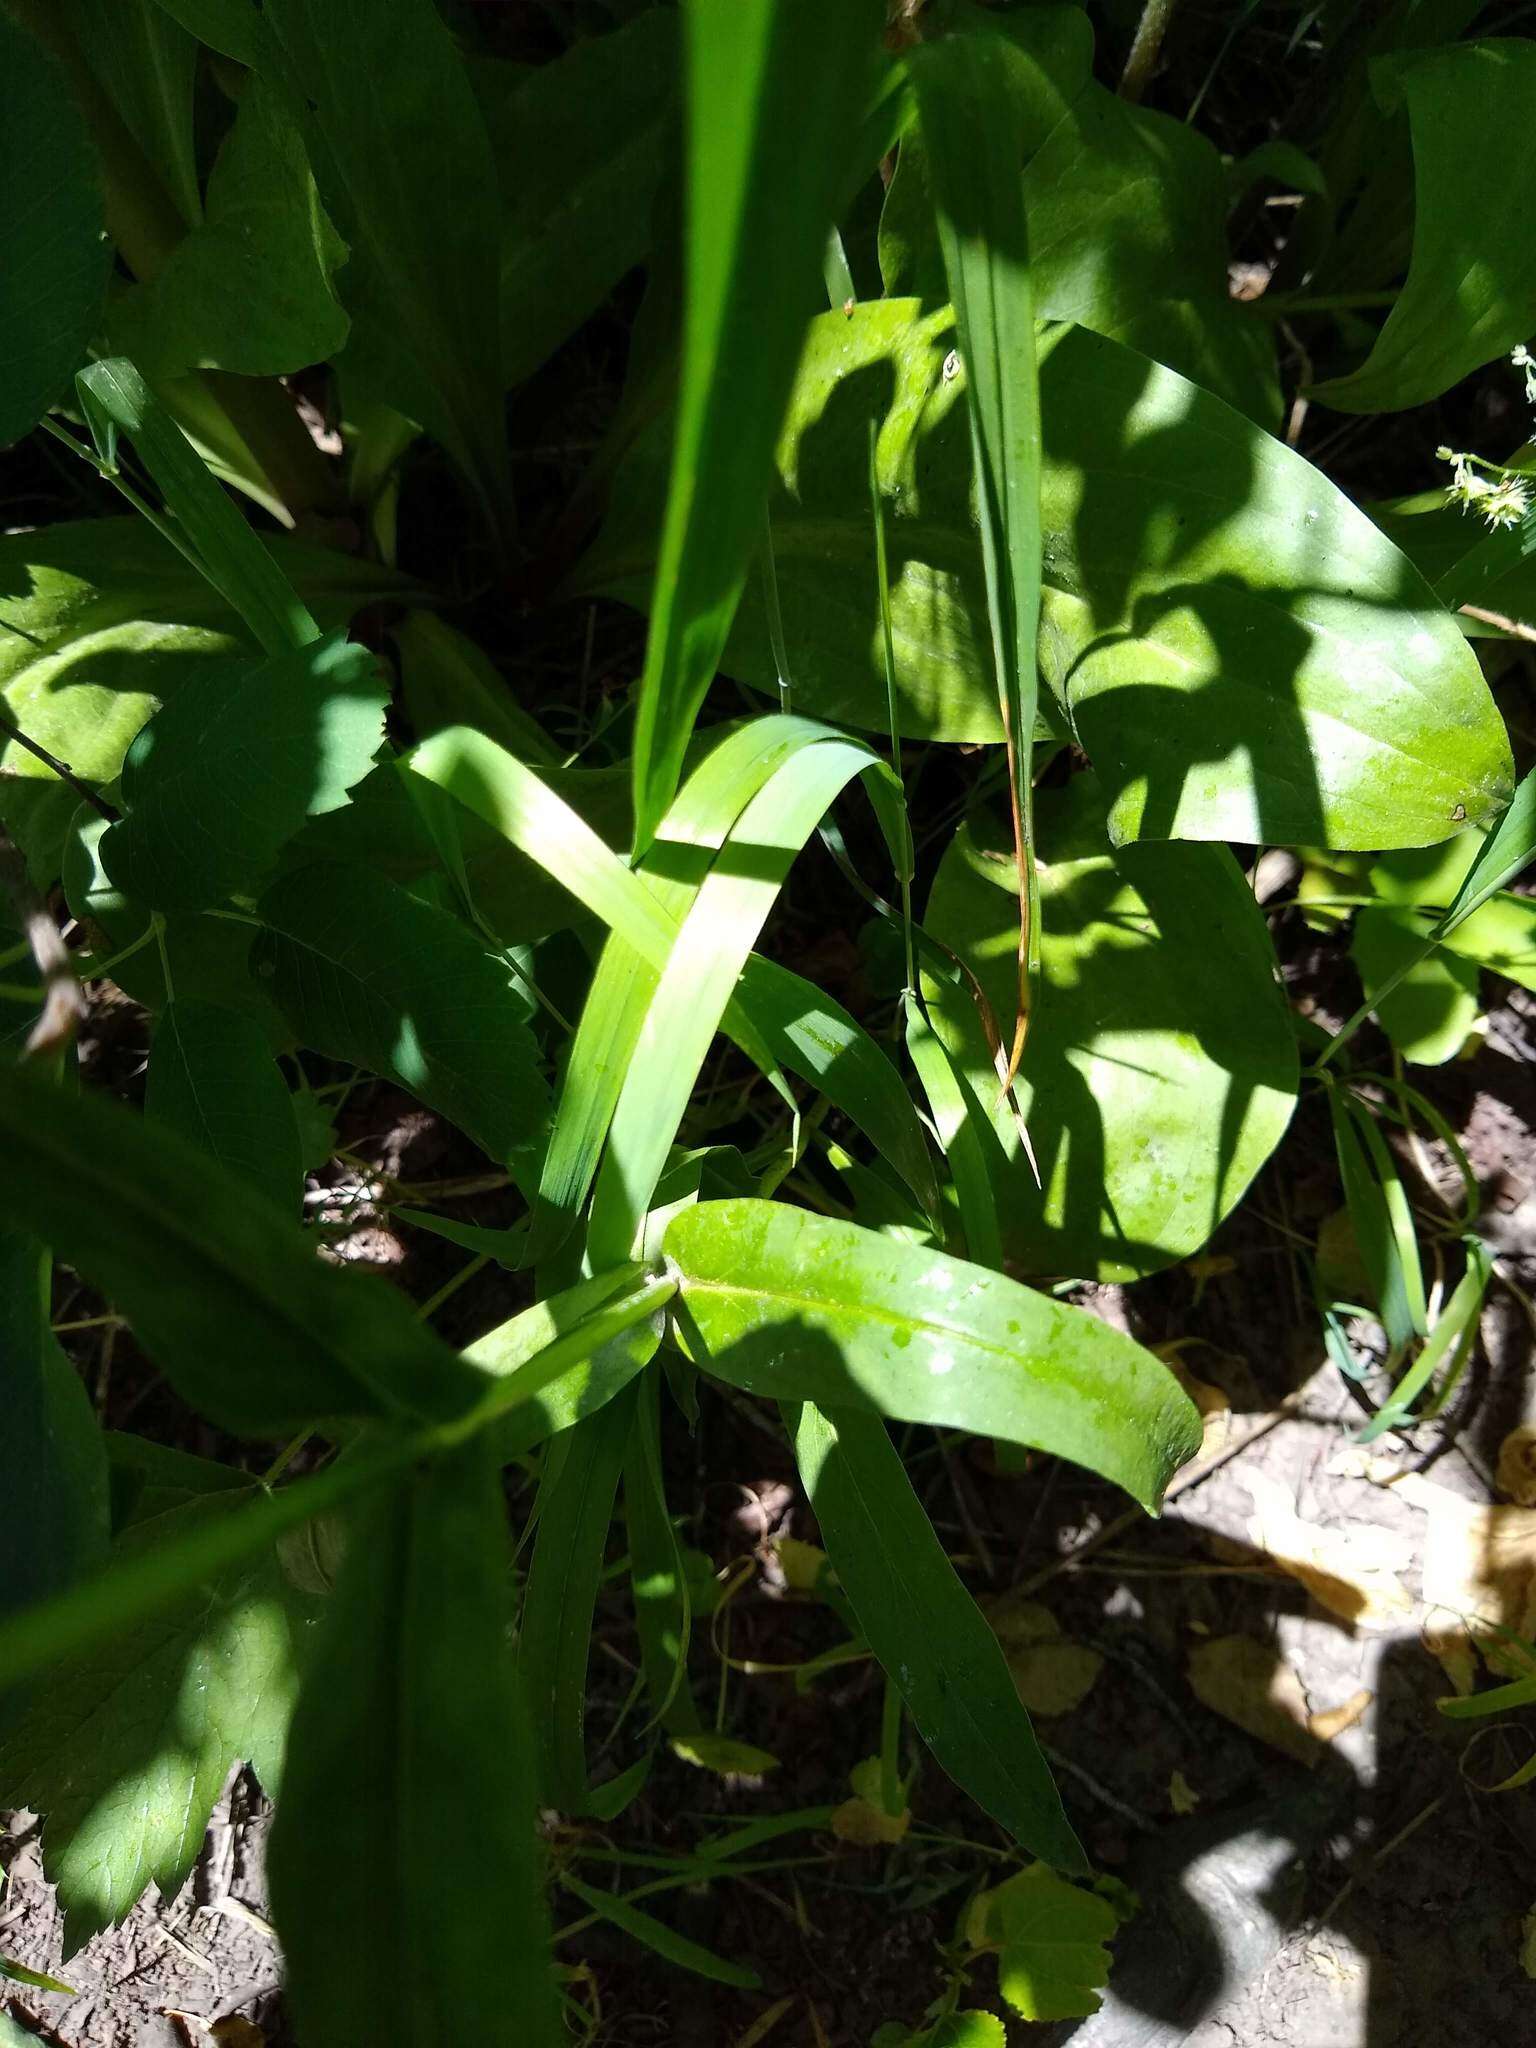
<point>1146,48</point>
<point>62,769</point>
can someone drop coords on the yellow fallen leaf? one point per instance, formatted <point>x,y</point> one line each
<point>1333,1721</point>
<point>1353,1572</point>
<point>1053,1674</point>
<point>1214,1406</point>
<point>1247,1684</point>
<point>801,1563</point>
<point>1181,1795</point>
<point>1479,1578</point>
<point>1516,1474</point>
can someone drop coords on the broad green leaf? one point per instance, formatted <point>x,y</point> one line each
<point>575,1512</point>
<point>221,1288</point>
<point>654,1934</point>
<point>713,943</point>
<point>579,146</point>
<point>975,129</point>
<point>1161,1070</point>
<point>366,972</point>
<point>232,27</point>
<point>53,1508</point>
<point>100,622</point>
<point>1432,1002</point>
<point>404,168</point>
<point>126,1751</point>
<point>225,774</point>
<point>203,521</point>
<point>411,1745</point>
<point>252,288</point>
<point>801,1307</point>
<point>213,1079</point>
<point>925,1628</point>
<point>1126,210</point>
<point>771,94</point>
<point>1216,613</point>
<point>446,679</point>
<point>1470,296</point>
<point>54,256</point>
<point>1052,1961</point>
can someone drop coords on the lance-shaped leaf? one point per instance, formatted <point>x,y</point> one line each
<point>772,95</point>
<point>223,776</point>
<point>130,1745</point>
<point>410,1744</point>
<point>1241,651</point>
<point>1470,295</point>
<point>925,1628</point>
<point>806,1308</point>
<point>364,971</point>
<point>54,255</point>
<point>221,1288</point>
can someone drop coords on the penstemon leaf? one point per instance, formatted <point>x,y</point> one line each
<point>806,1308</point>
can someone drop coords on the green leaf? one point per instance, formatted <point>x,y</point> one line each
<point>925,1628</point>
<point>54,255</point>
<point>126,1751</point>
<point>1470,294</point>
<point>579,146</point>
<point>252,288</point>
<point>203,520</point>
<point>410,1744</point>
<point>224,775</point>
<point>221,1288</point>
<point>771,94</point>
<point>1052,1960</point>
<point>1161,1069</point>
<point>18,1974</point>
<point>53,1508</point>
<point>1431,1004</point>
<point>1215,612</point>
<point>101,621</point>
<point>574,1513</point>
<point>366,972</point>
<point>1383,1222</point>
<point>400,155</point>
<point>658,1572</point>
<point>232,27</point>
<point>801,1307</point>
<point>213,1079</point>
<point>653,1934</point>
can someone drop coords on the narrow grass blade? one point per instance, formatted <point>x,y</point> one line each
<point>966,1134</point>
<point>1450,1339</point>
<point>773,93</point>
<point>410,1744</point>
<point>926,1629</point>
<point>227,550</point>
<point>801,1307</point>
<point>1383,1223</point>
<point>658,1580</point>
<point>974,130</point>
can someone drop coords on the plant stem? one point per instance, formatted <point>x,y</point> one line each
<point>1146,48</point>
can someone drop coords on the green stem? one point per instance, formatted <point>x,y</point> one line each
<point>1282,305</point>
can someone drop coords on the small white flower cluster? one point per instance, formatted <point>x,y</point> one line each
<point>1500,495</point>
